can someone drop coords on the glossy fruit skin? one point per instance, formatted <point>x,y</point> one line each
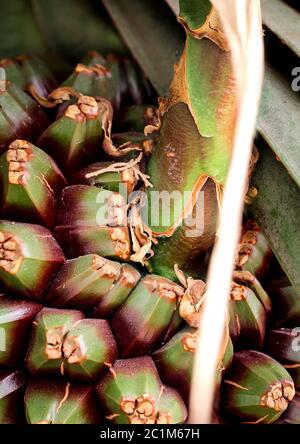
<point>250,309</point>
<point>284,345</point>
<point>99,350</point>
<point>174,361</point>
<point>75,138</point>
<point>292,414</point>
<point>286,303</point>
<point>145,316</point>
<point>257,388</point>
<point>30,183</point>
<point>29,73</point>
<point>60,402</point>
<point>44,353</point>
<point>20,117</point>
<point>12,387</point>
<point>119,292</point>
<point>16,323</point>
<point>82,282</point>
<point>142,317</point>
<point>116,79</point>
<point>132,383</point>
<point>90,222</point>
<point>92,283</point>
<point>65,344</point>
<point>111,180</point>
<point>37,251</point>
<point>254,252</point>
<point>248,319</point>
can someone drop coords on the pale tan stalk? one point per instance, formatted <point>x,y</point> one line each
<point>241,20</point>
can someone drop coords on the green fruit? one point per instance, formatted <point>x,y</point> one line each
<point>145,316</point>
<point>30,182</point>
<point>75,139</point>
<point>29,73</point>
<point>132,393</point>
<point>60,402</point>
<point>63,343</point>
<point>248,318</point>
<point>257,389</point>
<point>45,350</point>
<point>12,386</point>
<point>284,345</point>
<point>20,116</point>
<point>286,302</point>
<point>174,360</point>
<point>106,175</point>
<point>126,281</point>
<point>16,319</point>
<point>30,257</point>
<point>292,414</point>
<point>83,282</point>
<point>254,253</point>
<point>93,221</point>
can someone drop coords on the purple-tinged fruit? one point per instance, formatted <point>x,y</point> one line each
<point>93,221</point>
<point>30,182</point>
<point>29,257</point>
<point>16,319</point>
<point>59,402</point>
<point>254,252</point>
<point>257,389</point>
<point>132,393</point>
<point>74,140</point>
<point>45,350</point>
<point>283,344</point>
<point>12,386</point>
<point>145,316</point>
<point>20,116</point>
<point>83,282</point>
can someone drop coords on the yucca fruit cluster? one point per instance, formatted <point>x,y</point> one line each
<point>87,333</point>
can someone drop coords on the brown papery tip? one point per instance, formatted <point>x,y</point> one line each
<point>73,350</point>
<point>6,62</point>
<point>278,396</point>
<point>250,232</point>
<point>117,210</point>
<point>190,342</point>
<point>104,268</point>
<point>121,246</point>
<point>10,253</point>
<point>244,251</point>
<point>244,277</point>
<point>54,338</point>
<point>164,289</point>
<point>127,279</point>
<point>238,292</point>
<point>73,112</point>
<point>145,406</point>
<point>62,94</point>
<point>99,70</point>
<point>191,304</point>
<point>151,116</point>
<point>88,106</point>
<point>163,418</point>
<point>142,410</point>
<point>17,155</point>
